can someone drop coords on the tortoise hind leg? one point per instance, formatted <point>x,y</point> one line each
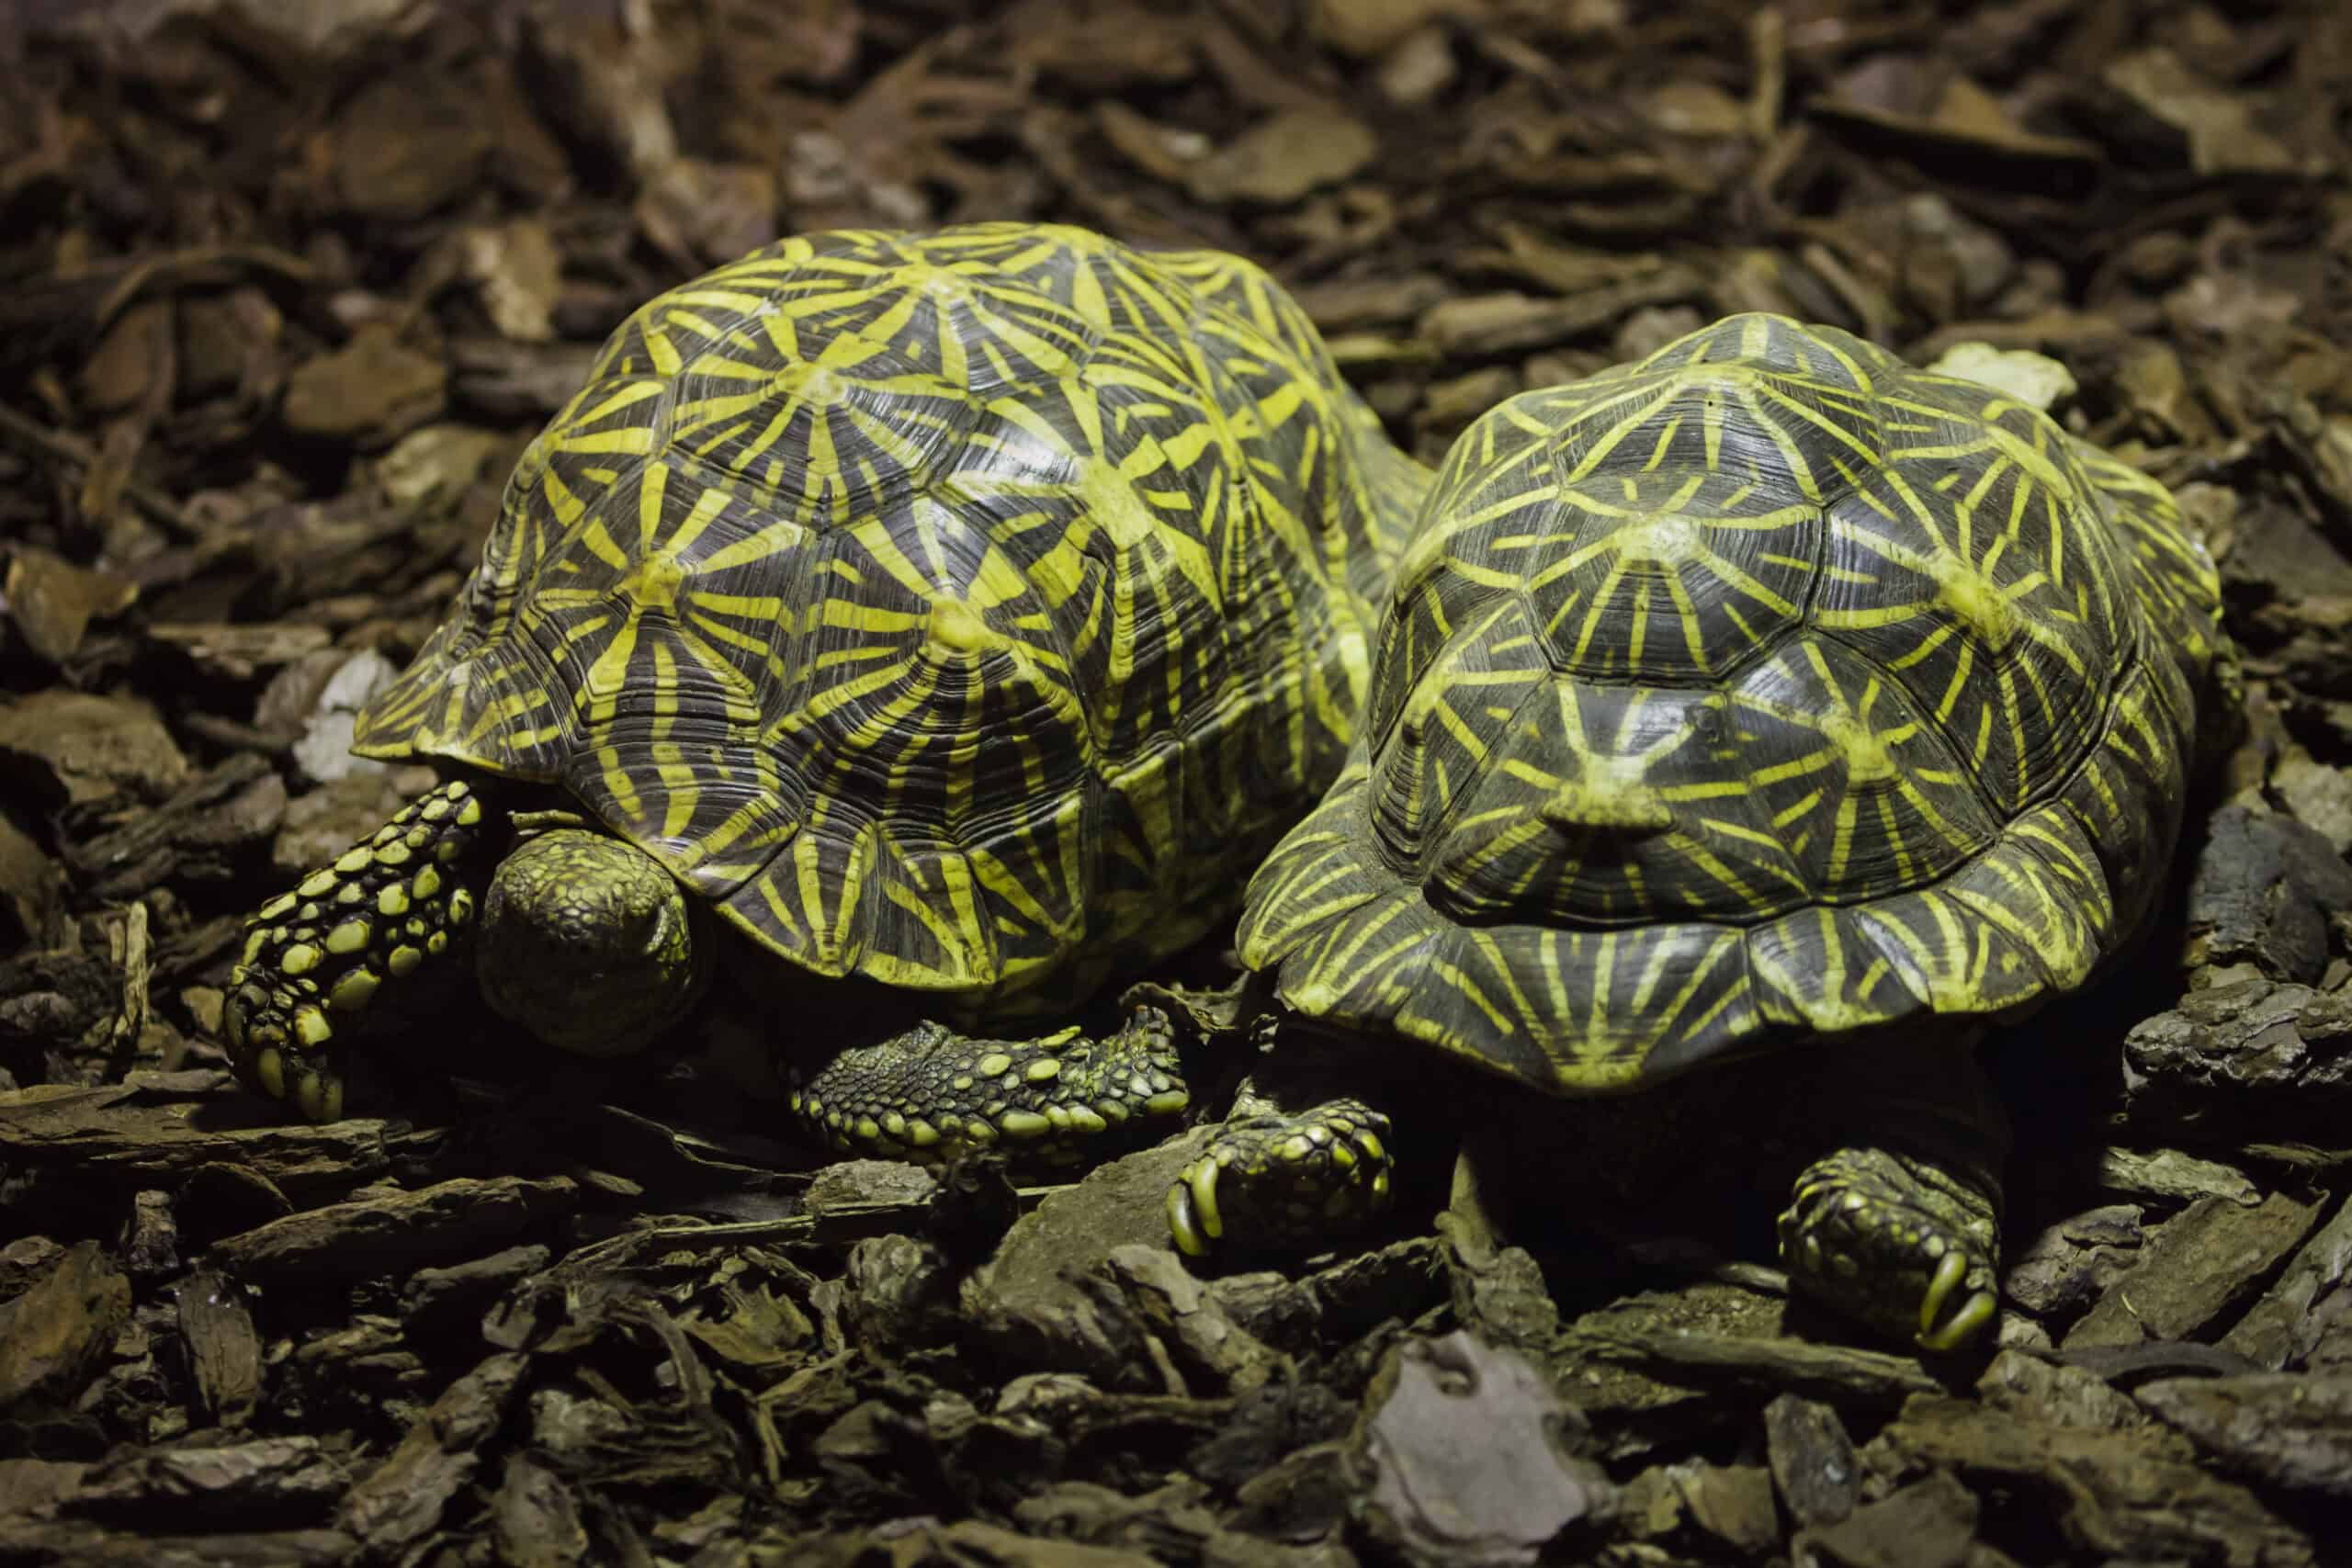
<point>315,959</point>
<point>928,1093</point>
<point>1899,1225</point>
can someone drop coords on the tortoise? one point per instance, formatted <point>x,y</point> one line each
<point>965,613</point>
<point>1766,691</point>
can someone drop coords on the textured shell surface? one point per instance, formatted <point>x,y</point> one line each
<point>1768,688</point>
<point>968,611</point>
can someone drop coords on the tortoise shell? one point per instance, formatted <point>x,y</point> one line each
<point>965,612</point>
<point>1765,688</point>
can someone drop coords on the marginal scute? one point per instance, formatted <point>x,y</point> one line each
<point>1864,694</point>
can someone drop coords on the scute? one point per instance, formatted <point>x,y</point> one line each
<point>1849,776</point>
<point>1676,578</point>
<point>1974,565</point>
<point>829,440</point>
<point>1765,689</point>
<point>964,611</point>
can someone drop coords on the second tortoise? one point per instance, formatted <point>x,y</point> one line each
<point>1766,695</point>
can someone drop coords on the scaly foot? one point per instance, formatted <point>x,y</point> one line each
<point>1899,1244</point>
<point>1286,1180</point>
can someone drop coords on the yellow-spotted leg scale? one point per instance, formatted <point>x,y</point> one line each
<point>315,958</point>
<point>930,1093</point>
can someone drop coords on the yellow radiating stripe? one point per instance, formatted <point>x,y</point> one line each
<point>1468,990</point>
<point>1734,576</point>
<point>566,506</point>
<point>1294,904</point>
<point>650,489</point>
<point>953,931</point>
<point>1729,998</point>
<point>1694,632</point>
<point>759,810</point>
<point>617,398</point>
<point>1658,952</point>
<point>1276,408</point>
<point>1604,972</point>
<point>716,368</point>
<point>999,879</point>
<point>1796,767</point>
<point>618,783</point>
<point>1515,999</point>
<point>1841,839</point>
<point>1666,439</point>
<point>1891,833</point>
<point>1596,616</point>
<point>666,359</point>
<point>1728,877</point>
<point>782,912</point>
<point>831,932</point>
<point>2006,680</point>
<point>1648,396</point>
<point>728,301</point>
<point>1865,458</point>
<point>742,699</point>
<point>1346,956</point>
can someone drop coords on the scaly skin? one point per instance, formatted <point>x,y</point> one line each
<point>931,1093</point>
<point>1896,1226</point>
<point>315,959</point>
<point>588,942</point>
<point>580,938</point>
<point>1902,1244</point>
<point>1278,1179</point>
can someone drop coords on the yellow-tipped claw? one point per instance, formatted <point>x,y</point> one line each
<point>1193,1217</point>
<point>1939,1332</point>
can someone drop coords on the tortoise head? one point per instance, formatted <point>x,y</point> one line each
<point>588,942</point>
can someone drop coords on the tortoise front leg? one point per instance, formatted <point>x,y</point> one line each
<point>1900,1225</point>
<point>931,1093</point>
<point>1275,1178</point>
<point>315,958</point>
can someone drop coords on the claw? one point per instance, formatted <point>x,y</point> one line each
<point>1193,1217</point>
<point>1286,1180</point>
<point>1937,1332</point>
<point>1948,1276</point>
<point>1203,1182</point>
<point>1963,1324</point>
<point>1189,1240</point>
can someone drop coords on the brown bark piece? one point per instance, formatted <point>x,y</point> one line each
<point>53,1336</point>
<point>2199,1265</point>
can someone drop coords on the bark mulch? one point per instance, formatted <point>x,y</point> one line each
<point>283,290</point>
